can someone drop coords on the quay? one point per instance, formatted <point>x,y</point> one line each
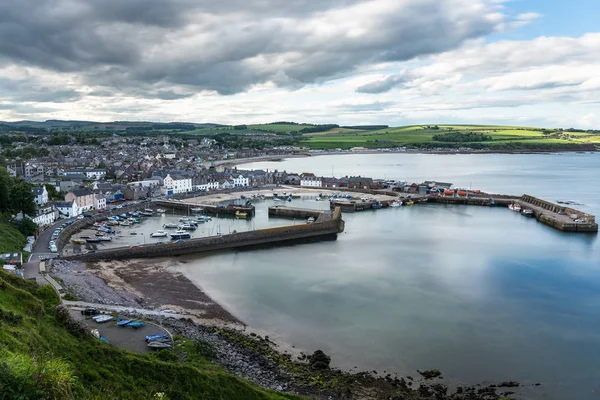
<point>563,218</point>
<point>212,209</point>
<point>328,227</point>
<point>300,213</point>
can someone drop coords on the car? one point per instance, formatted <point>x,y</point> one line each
<point>80,217</point>
<point>90,311</point>
<point>160,243</point>
<point>101,210</point>
<point>90,251</point>
<point>87,215</point>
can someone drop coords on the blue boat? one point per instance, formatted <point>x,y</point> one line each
<point>149,338</point>
<point>136,324</point>
<point>103,339</point>
<point>125,322</point>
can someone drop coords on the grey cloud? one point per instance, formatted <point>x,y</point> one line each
<point>230,45</point>
<point>30,91</point>
<point>382,85</point>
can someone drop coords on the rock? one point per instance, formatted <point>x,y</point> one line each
<point>508,384</point>
<point>319,360</point>
<point>430,374</point>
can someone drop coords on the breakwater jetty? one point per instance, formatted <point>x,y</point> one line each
<point>212,209</point>
<point>300,213</point>
<point>560,217</point>
<point>328,227</point>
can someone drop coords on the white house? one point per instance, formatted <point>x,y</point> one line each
<point>177,184</point>
<point>226,184</point>
<point>311,181</point>
<point>45,217</point>
<point>99,202</point>
<point>41,195</point>
<point>241,181</point>
<point>89,173</point>
<point>67,209</point>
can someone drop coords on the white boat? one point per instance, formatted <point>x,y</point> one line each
<point>180,235</point>
<point>196,209</point>
<point>170,226</point>
<point>125,223</point>
<point>395,204</point>
<point>203,218</point>
<point>160,210</point>
<point>276,199</point>
<point>310,220</point>
<point>187,227</point>
<point>105,238</point>
<point>514,207</point>
<point>102,318</point>
<point>528,212</point>
<point>159,234</point>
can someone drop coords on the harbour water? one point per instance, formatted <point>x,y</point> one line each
<point>481,293</point>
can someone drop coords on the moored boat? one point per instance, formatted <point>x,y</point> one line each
<point>408,203</point>
<point>160,210</point>
<point>180,235</point>
<point>187,227</point>
<point>196,209</point>
<point>395,204</point>
<point>170,226</point>
<point>310,220</point>
<point>514,207</point>
<point>528,212</point>
<point>159,234</point>
<point>241,214</point>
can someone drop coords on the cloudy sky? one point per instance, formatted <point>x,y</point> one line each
<point>396,62</point>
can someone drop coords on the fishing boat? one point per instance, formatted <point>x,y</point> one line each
<point>310,220</point>
<point>170,226</point>
<point>160,210</point>
<point>159,234</point>
<point>105,238</point>
<point>241,214</point>
<point>187,227</point>
<point>528,212</point>
<point>102,318</point>
<point>78,241</point>
<point>514,207</point>
<point>150,338</point>
<point>124,322</point>
<point>159,345</point>
<point>180,235</point>
<point>136,324</point>
<point>395,204</point>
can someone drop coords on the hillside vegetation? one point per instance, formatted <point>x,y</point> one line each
<point>45,355</point>
<point>12,239</point>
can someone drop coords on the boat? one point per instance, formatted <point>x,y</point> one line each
<point>310,220</point>
<point>187,227</point>
<point>528,212</point>
<point>514,207</point>
<point>102,318</point>
<point>113,222</point>
<point>203,218</point>
<point>376,206</point>
<point>148,210</point>
<point>160,210</point>
<point>150,338</point>
<point>78,241</point>
<point>159,234</point>
<point>241,214</point>
<point>92,240</point>
<point>462,193</point>
<point>105,238</point>
<point>133,233</point>
<point>409,203</point>
<point>146,214</point>
<point>170,226</point>
<point>124,322</point>
<point>318,199</point>
<point>159,345</point>
<point>196,209</point>
<point>395,204</point>
<point>95,333</point>
<point>448,192</point>
<point>136,324</point>
<point>99,233</point>
<point>289,198</point>
<point>276,199</point>
<point>125,223</point>
<point>103,339</point>
<point>180,235</point>
<point>84,237</point>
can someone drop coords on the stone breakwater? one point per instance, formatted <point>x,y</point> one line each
<point>326,228</point>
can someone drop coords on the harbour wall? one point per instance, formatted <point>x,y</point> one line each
<point>271,236</point>
<point>207,208</point>
<point>559,217</point>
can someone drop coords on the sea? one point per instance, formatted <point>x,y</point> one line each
<point>481,293</point>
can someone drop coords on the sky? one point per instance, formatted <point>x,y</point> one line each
<point>350,62</point>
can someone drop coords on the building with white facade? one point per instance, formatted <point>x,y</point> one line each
<point>241,181</point>
<point>41,196</point>
<point>310,181</point>
<point>66,209</point>
<point>99,201</point>
<point>177,184</point>
<point>45,216</point>
<point>89,173</point>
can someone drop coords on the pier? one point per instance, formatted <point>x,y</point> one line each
<point>563,218</point>
<point>207,208</point>
<point>300,213</point>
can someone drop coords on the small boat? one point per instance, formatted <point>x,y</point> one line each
<point>448,192</point>
<point>159,345</point>
<point>187,227</point>
<point>95,333</point>
<point>318,199</point>
<point>196,209</point>
<point>514,207</point>
<point>310,220</point>
<point>78,241</point>
<point>137,221</point>
<point>243,197</point>
<point>136,324</point>
<point>241,214</point>
<point>103,339</point>
<point>150,338</point>
<point>113,222</point>
<point>102,318</point>
<point>528,212</point>
<point>289,198</point>
<point>395,204</point>
<point>92,240</point>
<point>125,322</point>
<point>84,237</point>
<point>146,214</point>
<point>180,235</point>
<point>148,210</point>
<point>126,223</point>
<point>105,238</point>
<point>160,210</point>
<point>99,233</point>
<point>409,203</point>
<point>170,226</point>
<point>159,234</point>
<point>133,233</point>
<point>376,206</point>
<point>462,193</point>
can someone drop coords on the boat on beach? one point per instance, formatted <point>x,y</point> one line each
<point>124,322</point>
<point>151,338</point>
<point>136,324</point>
<point>92,240</point>
<point>105,238</point>
<point>159,234</point>
<point>102,318</point>
<point>159,345</point>
<point>78,241</point>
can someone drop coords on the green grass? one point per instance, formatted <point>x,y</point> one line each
<point>421,136</point>
<point>278,128</point>
<point>41,357</point>
<point>12,239</point>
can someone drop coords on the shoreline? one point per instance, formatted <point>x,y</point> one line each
<point>281,157</point>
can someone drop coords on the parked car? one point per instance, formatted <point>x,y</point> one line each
<point>87,214</point>
<point>90,311</point>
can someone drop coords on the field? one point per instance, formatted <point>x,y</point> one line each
<point>422,136</point>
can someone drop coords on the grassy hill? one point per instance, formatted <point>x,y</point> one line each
<point>427,136</point>
<point>12,239</point>
<point>44,355</point>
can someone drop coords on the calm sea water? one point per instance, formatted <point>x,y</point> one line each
<point>483,294</point>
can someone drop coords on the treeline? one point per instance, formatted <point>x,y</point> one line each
<point>26,129</point>
<point>367,127</point>
<point>319,128</point>
<point>16,197</point>
<point>459,137</point>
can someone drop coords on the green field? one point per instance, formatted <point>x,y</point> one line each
<point>422,136</point>
<point>278,128</point>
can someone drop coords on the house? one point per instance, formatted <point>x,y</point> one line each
<point>45,216</point>
<point>41,195</point>
<point>359,182</point>
<point>177,184</point>
<point>241,181</point>
<point>84,199</point>
<point>292,180</point>
<point>310,180</point>
<point>135,193</point>
<point>11,259</point>
<point>87,172</point>
<point>225,184</point>
<point>66,209</point>
<point>99,201</point>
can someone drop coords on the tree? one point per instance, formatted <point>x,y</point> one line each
<point>26,226</point>
<point>52,193</point>
<point>5,184</point>
<point>21,198</point>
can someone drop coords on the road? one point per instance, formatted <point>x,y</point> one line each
<point>40,250</point>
